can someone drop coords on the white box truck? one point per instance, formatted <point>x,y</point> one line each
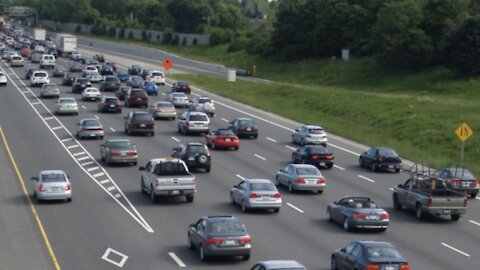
<point>39,34</point>
<point>66,44</point>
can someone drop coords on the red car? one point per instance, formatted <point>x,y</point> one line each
<point>25,52</point>
<point>222,138</point>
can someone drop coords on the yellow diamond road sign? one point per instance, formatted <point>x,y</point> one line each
<point>464,132</point>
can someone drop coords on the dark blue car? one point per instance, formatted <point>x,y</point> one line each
<point>150,88</point>
<point>123,76</point>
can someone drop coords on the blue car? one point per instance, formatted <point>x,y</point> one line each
<point>150,88</point>
<point>123,76</point>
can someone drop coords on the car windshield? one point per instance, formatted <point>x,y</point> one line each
<point>224,132</point>
<point>460,173</point>
<point>262,187</point>
<point>315,131</point>
<point>92,90</point>
<point>198,117</point>
<point>387,153</point>
<point>91,123</point>
<point>307,171</point>
<point>53,177</point>
<point>383,252</point>
<point>225,226</point>
<point>82,80</point>
<point>170,168</point>
<point>121,145</point>
<point>197,149</point>
<point>67,101</point>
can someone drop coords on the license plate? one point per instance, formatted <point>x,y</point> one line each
<point>322,163</point>
<point>447,211</point>
<point>311,181</point>
<point>123,154</point>
<point>372,217</point>
<point>112,106</point>
<point>54,188</point>
<point>92,135</point>
<point>229,243</point>
<point>249,129</point>
<point>143,125</point>
<point>389,267</point>
<point>227,139</point>
<point>175,192</point>
<point>390,166</point>
<point>139,99</point>
<point>191,158</point>
<point>465,184</point>
<point>265,198</point>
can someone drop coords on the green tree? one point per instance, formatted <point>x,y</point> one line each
<point>190,16</point>
<point>462,48</point>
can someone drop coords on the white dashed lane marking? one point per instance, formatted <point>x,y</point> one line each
<point>79,154</point>
<point>83,158</point>
<point>338,167</point>
<point>49,118</point>
<point>67,140</point>
<point>272,140</point>
<point>98,174</point>
<point>296,208</point>
<point>260,157</point>
<point>225,120</point>
<point>474,222</point>
<point>103,182</point>
<point>73,146</point>
<point>366,178</point>
<point>175,139</point>
<point>239,176</point>
<point>456,250</point>
<point>112,129</point>
<point>93,168</point>
<point>83,107</point>
<point>88,163</point>
<point>176,259</point>
<point>290,147</point>
<point>55,128</point>
<point>110,188</point>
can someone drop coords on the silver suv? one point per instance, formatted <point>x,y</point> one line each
<point>203,104</point>
<point>193,122</point>
<point>309,134</point>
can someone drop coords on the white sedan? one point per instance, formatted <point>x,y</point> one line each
<point>52,185</point>
<point>65,105</point>
<point>91,93</point>
<point>3,78</point>
<point>94,77</point>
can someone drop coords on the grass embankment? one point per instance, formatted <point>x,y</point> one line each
<point>416,113</point>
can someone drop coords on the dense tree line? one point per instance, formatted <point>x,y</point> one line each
<point>400,33</point>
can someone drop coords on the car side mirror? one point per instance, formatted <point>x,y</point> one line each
<point>124,117</point>
<point>141,168</point>
<point>343,250</point>
<point>191,225</point>
<point>235,186</point>
<point>400,185</point>
<point>297,130</point>
<point>102,145</point>
<point>34,178</point>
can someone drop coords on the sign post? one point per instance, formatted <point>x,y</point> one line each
<point>463,132</point>
<point>167,64</point>
<point>231,77</point>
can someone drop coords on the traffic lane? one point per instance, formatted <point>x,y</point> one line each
<point>78,212</point>
<point>18,223</point>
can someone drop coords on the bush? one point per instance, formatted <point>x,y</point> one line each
<point>220,36</point>
<point>130,35</point>
<point>174,40</point>
<point>184,41</point>
<point>167,36</point>
<point>194,41</point>
<point>239,43</point>
<point>112,32</point>
<point>462,48</point>
<point>78,29</point>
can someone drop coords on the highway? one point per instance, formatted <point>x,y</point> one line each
<point>111,225</point>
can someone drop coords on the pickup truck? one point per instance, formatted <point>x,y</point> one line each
<point>429,196</point>
<point>167,177</point>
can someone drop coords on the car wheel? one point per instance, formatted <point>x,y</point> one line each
<point>107,161</point>
<point>290,187</point>
<point>276,210</point>
<point>255,136</point>
<point>473,195</point>
<point>382,229</point>
<point>208,169</point>
<point>396,204</point>
<point>334,263</point>
<point>203,257</point>
<point>232,200</point>
<point>202,159</point>
<point>397,170</point>
<point>189,242</point>
<point>329,166</point>
<point>360,162</point>
<point>134,163</point>
<point>153,196</point>
<point>189,198</point>
<point>277,181</point>
<point>455,217</point>
<point>329,216</point>
<point>142,187</point>
<point>346,224</point>
<point>373,167</point>
<point>236,148</point>
<point>244,207</point>
<point>246,257</point>
<point>419,211</point>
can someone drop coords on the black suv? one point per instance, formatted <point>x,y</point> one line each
<point>109,104</point>
<point>135,70</point>
<point>80,84</point>
<point>69,78</point>
<point>139,122</point>
<point>196,155</point>
<point>122,91</point>
<point>106,69</point>
<point>29,72</point>
<point>111,83</point>
<point>181,87</point>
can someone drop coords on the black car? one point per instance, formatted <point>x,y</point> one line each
<point>122,91</point>
<point>109,104</point>
<point>244,127</point>
<point>112,64</point>
<point>316,155</point>
<point>139,122</point>
<point>135,70</point>
<point>181,87</point>
<point>194,154</point>
<point>459,179</point>
<point>76,67</point>
<point>106,69</point>
<point>110,83</point>
<point>29,72</point>
<point>219,236</point>
<point>69,78</point>
<point>99,57</point>
<point>377,158</point>
<point>80,84</point>
<point>146,73</point>
<point>135,81</point>
<point>368,255</point>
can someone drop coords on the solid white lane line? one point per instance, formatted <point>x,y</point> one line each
<point>474,222</point>
<point>83,107</point>
<point>291,148</point>
<point>88,163</point>
<point>93,169</point>
<point>73,146</point>
<point>49,118</point>
<point>225,120</point>
<point>270,139</point>
<point>175,139</point>
<point>294,207</point>
<point>96,116</point>
<point>239,176</point>
<point>176,259</point>
<point>110,188</point>
<point>112,129</point>
<point>83,158</point>
<point>79,154</point>
<point>55,128</point>
<point>103,182</point>
<point>117,195</point>
<point>456,250</point>
<point>260,157</point>
<point>338,167</point>
<point>98,174</point>
<point>67,140</point>
<point>366,178</point>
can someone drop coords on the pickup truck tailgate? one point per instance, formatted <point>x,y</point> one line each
<point>171,183</point>
<point>448,202</point>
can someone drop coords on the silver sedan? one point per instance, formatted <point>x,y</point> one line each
<point>256,193</point>
<point>278,265</point>
<point>50,90</point>
<point>309,134</point>
<point>301,177</point>
<point>163,109</point>
<point>118,151</point>
<point>90,128</point>
<point>52,185</point>
<point>65,105</point>
<point>178,99</point>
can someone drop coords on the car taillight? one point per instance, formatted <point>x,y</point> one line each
<point>405,266</point>
<point>157,183</point>
<point>114,153</point>
<point>358,215</point>
<point>384,216</point>
<point>329,157</point>
<point>214,241</point>
<point>117,103</point>
<point>371,266</point>
<point>429,202</point>
<point>321,181</point>
<point>84,129</point>
<point>68,187</point>
<point>456,182</point>
<point>178,87</point>
<point>277,195</point>
<point>300,181</point>
<point>105,104</point>
<point>194,181</point>
<point>380,159</point>
<point>132,153</point>
<point>245,239</point>
<point>254,195</point>
<point>40,188</point>
<point>241,129</point>
<point>314,157</point>
<point>465,202</point>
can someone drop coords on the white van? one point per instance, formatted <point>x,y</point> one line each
<point>39,77</point>
<point>48,61</point>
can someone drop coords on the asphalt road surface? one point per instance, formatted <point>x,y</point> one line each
<point>111,225</point>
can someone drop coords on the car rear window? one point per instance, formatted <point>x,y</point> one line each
<point>307,171</point>
<point>82,80</point>
<point>460,173</point>
<point>387,153</point>
<point>91,123</point>
<point>53,177</point>
<point>67,101</point>
<point>121,145</point>
<point>315,130</point>
<point>225,226</point>
<point>49,86</point>
<point>111,100</point>
<point>179,95</point>
<point>142,117</point>
<point>382,252</point>
<point>165,105</point>
<point>112,80</point>
<point>246,123</point>
<point>224,132</point>
<point>204,100</point>
<point>138,93</point>
<point>198,117</point>
<point>170,168</point>
<point>157,74</point>
<point>40,74</point>
<point>197,149</point>
<point>262,187</point>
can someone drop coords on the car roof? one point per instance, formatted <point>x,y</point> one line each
<point>312,126</point>
<point>281,263</point>
<point>119,140</point>
<point>52,171</point>
<point>69,98</point>
<point>194,143</point>
<point>302,165</point>
<point>382,147</point>
<point>182,82</point>
<point>254,180</point>
<point>356,197</point>
<point>373,243</point>
<point>244,118</point>
<point>200,113</point>
<point>140,112</point>
<point>219,217</point>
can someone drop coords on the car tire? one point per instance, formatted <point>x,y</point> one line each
<point>203,257</point>
<point>346,224</point>
<point>246,257</point>
<point>69,199</point>
<point>329,215</point>
<point>232,200</point>
<point>473,195</point>
<point>189,242</point>
<point>277,181</point>
<point>455,217</point>
<point>244,207</point>
<point>134,163</point>
<point>236,148</point>
<point>360,162</point>
<point>373,167</point>
<point>290,187</point>
<point>255,136</point>
<point>276,210</point>
<point>329,166</point>
<point>396,203</point>
<point>142,186</point>
<point>382,229</point>
<point>202,159</point>
<point>190,198</point>
<point>397,170</point>
<point>419,212</point>
<point>333,263</point>
<point>107,161</point>
<point>153,196</point>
